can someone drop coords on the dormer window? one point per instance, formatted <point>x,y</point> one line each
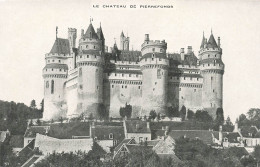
<point>111,136</point>
<point>90,34</point>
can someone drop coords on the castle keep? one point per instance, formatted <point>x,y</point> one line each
<point>90,80</point>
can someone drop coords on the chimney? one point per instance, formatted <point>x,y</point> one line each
<point>146,39</point>
<point>82,33</point>
<point>182,53</point>
<point>220,134</point>
<point>218,42</point>
<point>189,49</point>
<point>148,124</point>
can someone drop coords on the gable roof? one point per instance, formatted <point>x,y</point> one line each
<point>102,132</point>
<point>33,130</point>
<point>61,46</point>
<point>133,147</point>
<point>249,131</point>
<point>125,141</point>
<point>231,136</point>
<point>27,149</point>
<point>204,135</point>
<point>175,59</point>
<point>137,126</point>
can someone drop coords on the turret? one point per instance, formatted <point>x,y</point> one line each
<point>122,40</point>
<point>154,66</point>
<point>72,35</point>
<point>212,70</point>
<point>55,75</point>
<point>90,61</point>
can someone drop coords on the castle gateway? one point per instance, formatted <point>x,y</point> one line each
<point>90,80</point>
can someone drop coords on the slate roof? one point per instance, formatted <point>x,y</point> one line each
<point>33,130</point>
<point>157,132</point>
<point>102,132</point>
<point>232,136</point>
<point>100,33</point>
<point>61,46</point>
<point>212,42</point>
<point>17,141</point>
<point>133,147</point>
<point>202,42</point>
<point>175,59</point>
<point>137,126</point>
<point>92,31</point>
<point>27,149</point>
<point>125,141</point>
<point>204,135</point>
<point>124,55</point>
<point>249,131</point>
<point>56,66</point>
<point>128,71</point>
<point>152,142</point>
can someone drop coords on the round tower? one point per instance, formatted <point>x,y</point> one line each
<point>212,70</point>
<point>55,75</point>
<point>90,61</point>
<point>154,65</point>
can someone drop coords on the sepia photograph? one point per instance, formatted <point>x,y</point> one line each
<point>129,83</point>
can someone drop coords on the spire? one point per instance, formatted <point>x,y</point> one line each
<point>56,32</point>
<point>122,34</point>
<point>202,42</point>
<point>100,33</point>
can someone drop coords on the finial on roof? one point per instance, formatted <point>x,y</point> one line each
<point>100,24</point>
<point>203,33</point>
<point>56,31</point>
<point>115,40</point>
<point>91,19</point>
<point>211,30</point>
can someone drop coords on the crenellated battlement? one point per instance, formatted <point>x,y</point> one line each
<point>47,55</point>
<point>210,50</point>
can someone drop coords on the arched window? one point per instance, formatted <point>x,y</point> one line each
<point>111,136</point>
<point>52,86</point>
<point>47,84</point>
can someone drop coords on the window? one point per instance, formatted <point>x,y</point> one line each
<point>86,46</point>
<point>136,75</point>
<point>80,56</point>
<point>112,86</point>
<point>59,61</point>
<point>52,60</point>
<point>52,69</point>
<point>94,47</point>
<point>129,75</point>
<point>81,87</point>
<point>208,64</point>
<point>145,59</point>
<point>46,69</point>
<point>96,70</point>
<point>153,89</point>
<point>179,89</point>
<point>140,139</point>
<point>160,59</point>
<point>197,79</point>
<point>208,55</point>
<point>95,56</point>
<point>194,90</point>
<point>122,86</point>
<point>155,83</point>
<point>152,59</point>
<point>122,75</point>
<point>60,69</point>
<point>153,49</point>
<point>97,87</point>
<point>139,87</point>
<point>161,50</point>
<point>47,84</point>
<point>181,97</point>
<point>184,78</point>
<point>111,136</point>
<point>48,61</point>
<point>213,90</point>
<point>115,74</point>
<point>52,86</point>
<point>190,78</point>
<point>211,78</point>
<point>146,139</point>
<point>125,86</point>
<point>87,56</point>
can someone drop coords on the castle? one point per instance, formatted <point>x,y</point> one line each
<point>88,79</point>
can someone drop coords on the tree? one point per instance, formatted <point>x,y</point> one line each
<point>172,112</point>
<point>183,112</point>
<point>42,105</point>
<point>256,154</point>
<point>38,122</point>
<point>153,114</point>
<point>90,117</point>
<point>219,117</point>
<point>203,116</point>
<point>126,111</point>
<point>33,104</point>
<point>190,115</point>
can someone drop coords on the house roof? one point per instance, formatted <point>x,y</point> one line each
<point>204,135</point>
<point>61,46</point>
<point>103,132</point>
<point>137,126</point>
<point>125,141</point>
<point>189,59</point>
<point>134,147</point>
<point>125,55</point>
<point>27,149</point>
<point>33,130</point>
<point>231,136</point>
<point>17,141</point>
<point>100,33</point>
<point>249,131</point>
<point>91,31</point>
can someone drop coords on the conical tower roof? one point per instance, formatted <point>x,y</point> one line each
<point>202,42</point>
<point>61,46</point>
<point>122,34</point>
<point>91,33</point>
<point>100,33</point>
<point>212,42</point>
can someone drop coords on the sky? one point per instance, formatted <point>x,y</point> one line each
<point>27,33</point>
